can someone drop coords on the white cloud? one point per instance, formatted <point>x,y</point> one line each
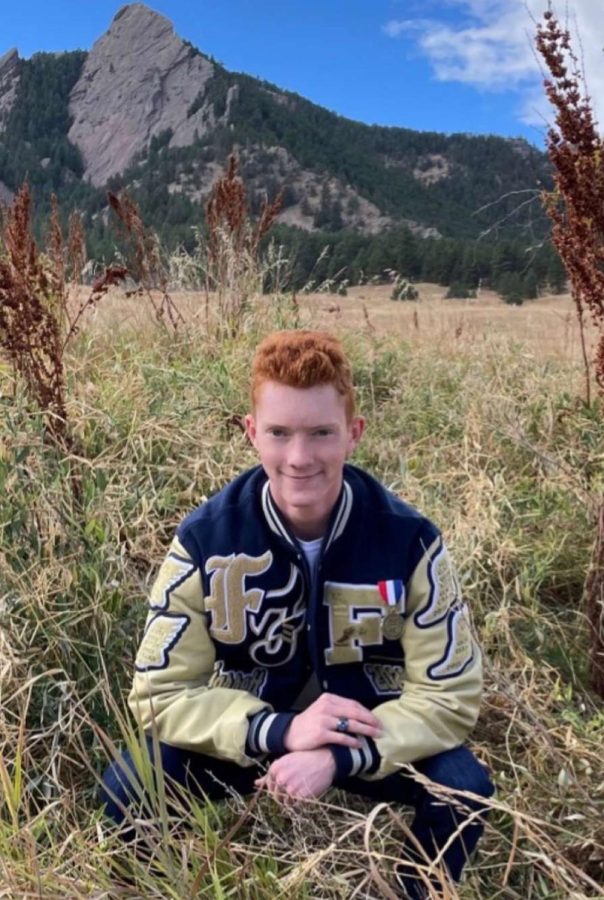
<point>394,28</point>
<point>491,47</point>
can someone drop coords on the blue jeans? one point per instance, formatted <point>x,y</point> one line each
<point>434,822</point>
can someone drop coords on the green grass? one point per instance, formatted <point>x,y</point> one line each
<point>488,441</point>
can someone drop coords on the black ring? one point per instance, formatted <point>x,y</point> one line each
<point>342,725</point>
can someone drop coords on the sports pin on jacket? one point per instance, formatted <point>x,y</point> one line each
<point>236,627</point>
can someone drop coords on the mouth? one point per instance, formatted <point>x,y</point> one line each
<point>302,477</point>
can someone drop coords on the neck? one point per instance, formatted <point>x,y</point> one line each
<point>308,531</point>
<point>307,523</point>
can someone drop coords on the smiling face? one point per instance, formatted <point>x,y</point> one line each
<point>303,438</point>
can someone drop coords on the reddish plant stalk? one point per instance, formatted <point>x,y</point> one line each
<point>576,209</point>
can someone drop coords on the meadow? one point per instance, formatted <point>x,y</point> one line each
<point>476,415</point>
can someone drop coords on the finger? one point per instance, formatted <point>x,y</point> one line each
<point>361,728</point>
<point>289,797</point>
<point>281,794</point>
<point>357,712</point>
<point>344,740</point>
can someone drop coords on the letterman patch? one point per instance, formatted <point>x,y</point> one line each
<point>355,620</point>
<point>444,590</point>
<point>174,571</point>
<point>459,652</point>
<point>253,681</point>
<point>385,679</point>
<point>230,599</point>
<point>162,634</point>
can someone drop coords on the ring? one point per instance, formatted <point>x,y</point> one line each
<point>342,725</point>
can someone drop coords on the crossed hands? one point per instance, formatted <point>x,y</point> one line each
<point>308,768</point>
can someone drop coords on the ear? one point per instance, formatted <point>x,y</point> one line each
<point>250,428</point>
<point>355,432</point>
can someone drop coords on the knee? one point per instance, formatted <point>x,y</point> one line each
<point>119,787</point>
<point>459,770</point>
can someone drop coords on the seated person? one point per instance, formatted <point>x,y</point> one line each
<point>306,628</point>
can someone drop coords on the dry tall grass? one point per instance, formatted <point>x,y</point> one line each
<point>485,434</point>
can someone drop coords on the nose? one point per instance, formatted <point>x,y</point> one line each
<point>299,453</point>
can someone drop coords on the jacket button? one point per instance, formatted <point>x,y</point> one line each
<point>325,685</point>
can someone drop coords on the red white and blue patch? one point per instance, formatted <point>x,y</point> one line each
<point>392,593</point>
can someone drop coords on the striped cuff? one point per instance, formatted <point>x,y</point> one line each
<point>267,733</point>
<point>351,761</point>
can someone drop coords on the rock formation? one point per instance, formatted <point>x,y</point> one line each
<point>9,80</point>
<point>139,80</point>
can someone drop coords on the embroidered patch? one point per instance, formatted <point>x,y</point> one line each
<point>229,599</point>
<point>162,634</point>
<point>384,678</point>
<point>459,652</point>
<point>174,572</point>
<point>355,620</point>
<point>253,681</point>
<point>278,629</point>
<point>444,590</point>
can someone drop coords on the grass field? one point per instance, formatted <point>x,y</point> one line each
<point>547,327</point>
<point>475,415</point>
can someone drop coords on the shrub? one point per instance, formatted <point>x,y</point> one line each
<point>459,291</point>
<point>404,290</point>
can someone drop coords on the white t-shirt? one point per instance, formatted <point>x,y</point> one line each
<point>311,550</point>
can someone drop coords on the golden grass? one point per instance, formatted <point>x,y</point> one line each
<point>546,327</point>
<point>475,417</point>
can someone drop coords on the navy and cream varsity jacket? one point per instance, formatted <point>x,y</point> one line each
<point>235,629</point>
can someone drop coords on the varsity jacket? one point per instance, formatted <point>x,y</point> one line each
<point>236,627</point>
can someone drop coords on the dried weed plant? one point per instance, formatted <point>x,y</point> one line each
<point>576,208</point>
<point>232,271</point>
<point>145,262</point>
<point>36,318</point>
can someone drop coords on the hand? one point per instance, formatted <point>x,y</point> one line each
<point>299,776</point>
<point>316,726</point>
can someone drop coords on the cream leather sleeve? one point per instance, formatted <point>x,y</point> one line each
<point>173,689</point>
<point>440,699</point>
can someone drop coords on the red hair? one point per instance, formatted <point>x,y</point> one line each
<point>303,359</point>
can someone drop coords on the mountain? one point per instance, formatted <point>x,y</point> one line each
<point>138,81</point>
<point>147,111</point>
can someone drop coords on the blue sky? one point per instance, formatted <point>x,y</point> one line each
<point>440,65</point>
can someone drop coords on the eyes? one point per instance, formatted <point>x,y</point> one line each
<point>315,433</point>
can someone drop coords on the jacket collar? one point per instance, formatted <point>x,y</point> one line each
<point>337,522</point>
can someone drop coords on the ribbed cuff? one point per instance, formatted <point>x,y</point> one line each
<point>267,733</point>
<point>351,761</point>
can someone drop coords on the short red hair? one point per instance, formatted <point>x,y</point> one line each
<point>303,359</point>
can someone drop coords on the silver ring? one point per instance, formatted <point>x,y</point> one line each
<point>342,725</point>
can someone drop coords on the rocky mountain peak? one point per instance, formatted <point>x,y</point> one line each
<point>8,61</point>
<point>140,16</point>
<point>139,80</point>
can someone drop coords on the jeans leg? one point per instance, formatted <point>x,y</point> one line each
<point>436,820</point>
<point>201,775</point>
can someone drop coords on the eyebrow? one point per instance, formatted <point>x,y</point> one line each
<point>308,428</point>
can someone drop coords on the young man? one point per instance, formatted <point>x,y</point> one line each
<point>308,620</point>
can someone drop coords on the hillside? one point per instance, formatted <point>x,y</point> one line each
<point>146,111</point>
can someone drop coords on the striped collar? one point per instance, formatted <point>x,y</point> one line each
<point>338,519</point>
